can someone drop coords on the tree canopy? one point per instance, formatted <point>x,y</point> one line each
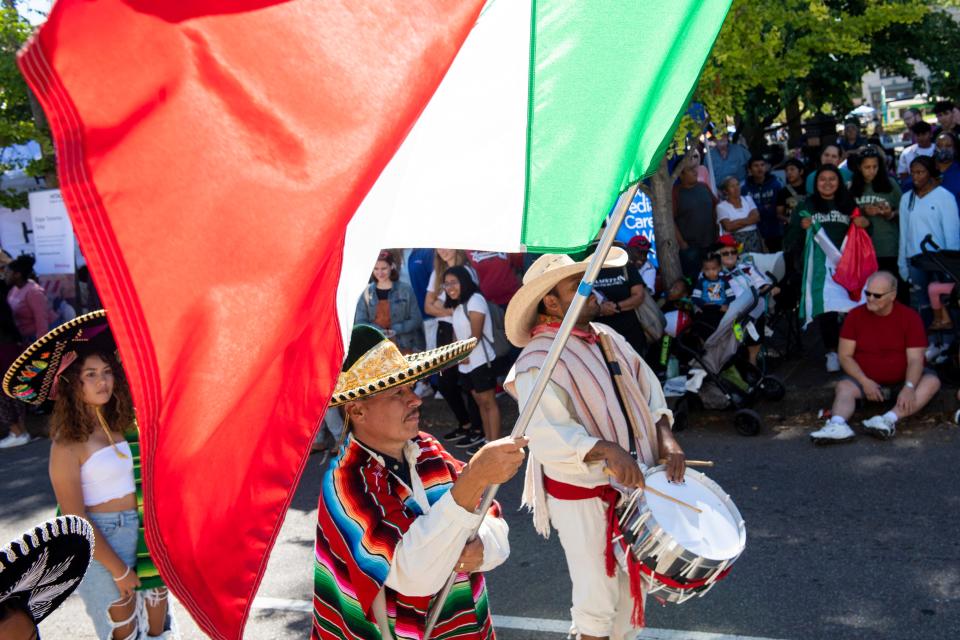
<point>777,56</point>
<point>17,113</point>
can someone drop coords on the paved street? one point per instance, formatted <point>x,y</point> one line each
<point>853,541</point>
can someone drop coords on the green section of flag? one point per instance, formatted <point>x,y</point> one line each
<point>609,80</point>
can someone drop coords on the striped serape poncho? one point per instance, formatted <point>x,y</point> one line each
<point>363,514</point>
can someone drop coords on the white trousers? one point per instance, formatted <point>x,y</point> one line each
<point>601,605</point>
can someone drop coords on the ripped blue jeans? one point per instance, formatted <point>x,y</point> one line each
<point>98,589</point>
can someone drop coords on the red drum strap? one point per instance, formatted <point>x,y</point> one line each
<point>670,582</point>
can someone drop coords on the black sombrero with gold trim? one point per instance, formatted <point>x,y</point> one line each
<point>375,364</point>
<point>31,376</point>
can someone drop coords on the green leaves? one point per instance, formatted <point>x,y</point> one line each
<point>17,124</point>
<point>772,51</point>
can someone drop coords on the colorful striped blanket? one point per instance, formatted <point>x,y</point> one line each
<point>363,513</point>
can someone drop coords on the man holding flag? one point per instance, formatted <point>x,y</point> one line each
<point>396,510</point>
<point>230,374</point>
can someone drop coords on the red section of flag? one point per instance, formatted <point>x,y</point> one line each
<point>211,155</point>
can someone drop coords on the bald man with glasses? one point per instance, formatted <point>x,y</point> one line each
<point>881,348</point>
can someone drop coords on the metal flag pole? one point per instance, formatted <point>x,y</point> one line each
<point>553,356</point>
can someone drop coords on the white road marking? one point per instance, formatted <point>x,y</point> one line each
<point>283,604</point>
<point>526,624</point>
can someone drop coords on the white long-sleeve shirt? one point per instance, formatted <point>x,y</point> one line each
<point>934,214</point>
<point>560,442</point>
<point>430,548</point>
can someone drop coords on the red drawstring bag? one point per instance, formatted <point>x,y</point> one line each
<point>858,261</point>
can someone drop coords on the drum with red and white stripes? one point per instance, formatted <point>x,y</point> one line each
<point>682,553</point>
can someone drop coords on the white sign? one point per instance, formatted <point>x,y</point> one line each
<point>52,233</point>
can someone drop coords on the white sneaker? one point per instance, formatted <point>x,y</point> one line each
<point>14,440</point>
<point>833,432</point>
<point>880,427</point>
<point>833,362</point>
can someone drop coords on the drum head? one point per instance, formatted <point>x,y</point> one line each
<point>715,534</point>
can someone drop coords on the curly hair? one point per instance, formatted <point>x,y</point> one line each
<point>73,420</point>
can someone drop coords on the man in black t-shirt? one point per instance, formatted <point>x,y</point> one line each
<point>620,292</point>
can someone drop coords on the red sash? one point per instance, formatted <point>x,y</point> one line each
<point>564,491</point>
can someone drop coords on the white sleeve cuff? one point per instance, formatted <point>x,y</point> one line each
<point>452,512</point>
<point>659,413</point>
<point>584,446</point>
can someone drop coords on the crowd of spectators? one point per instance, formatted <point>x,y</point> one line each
<point>728,205</point>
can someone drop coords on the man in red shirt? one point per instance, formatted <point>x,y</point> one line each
<point>881,346</point>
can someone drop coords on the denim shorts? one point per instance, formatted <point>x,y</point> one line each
<point>119,529</point>
<point>98,589</point>
<point>889,391</point>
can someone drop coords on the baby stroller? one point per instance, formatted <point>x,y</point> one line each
<point>728,380</point>
<point>945,264</point>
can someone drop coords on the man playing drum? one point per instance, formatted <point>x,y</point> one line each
<point>580,436</point>
<point>396,510</point>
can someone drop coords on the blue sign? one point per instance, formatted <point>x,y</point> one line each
<point>639,222</point>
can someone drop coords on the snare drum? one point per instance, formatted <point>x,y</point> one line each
<point>682,553</point>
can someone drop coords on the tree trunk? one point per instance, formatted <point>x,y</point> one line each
<point>668,251</point>
<point>794,119</point>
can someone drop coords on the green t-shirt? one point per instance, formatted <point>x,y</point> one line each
<point>833,222</point>
<point>884,233</point>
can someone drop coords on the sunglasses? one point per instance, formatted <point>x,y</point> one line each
<point>727,253</point>
<point>871,294</point>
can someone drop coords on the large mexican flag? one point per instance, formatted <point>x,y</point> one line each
<point>548,112</point>
<point>232,167</point>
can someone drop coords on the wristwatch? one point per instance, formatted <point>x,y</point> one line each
<point>617,306</point>
<point>909,385</point>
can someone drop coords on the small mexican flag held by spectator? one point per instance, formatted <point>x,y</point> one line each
<point>232,169</point>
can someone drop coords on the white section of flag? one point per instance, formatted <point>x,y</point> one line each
<point>458,180</point>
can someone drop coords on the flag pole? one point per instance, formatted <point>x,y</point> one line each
<point>543,377</point>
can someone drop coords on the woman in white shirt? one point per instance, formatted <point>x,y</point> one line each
<point>927,209</point>
<point>471,318</point>
<point>738,216</point>
<point>465,410</point>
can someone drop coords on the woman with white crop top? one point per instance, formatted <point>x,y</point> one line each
<point>94,452</point>
<point>91,469</point>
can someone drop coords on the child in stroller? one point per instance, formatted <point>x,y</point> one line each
<point>729,380</point>
<point>712,295</point>
<point>746,278</point>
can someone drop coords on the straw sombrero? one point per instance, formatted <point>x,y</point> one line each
<point>542,276</point>
<point>375,364</point>
<point>31,376</point>
<point>40,568</point>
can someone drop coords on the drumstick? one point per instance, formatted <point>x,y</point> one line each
<point>691,463</point>
<point>661,494</point>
